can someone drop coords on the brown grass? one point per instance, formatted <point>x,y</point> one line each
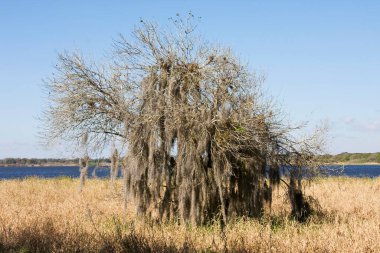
<point>49,215</point>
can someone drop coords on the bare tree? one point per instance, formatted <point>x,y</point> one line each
<point>83,162</point>
<point>114,164</point>
<point>203,141</point>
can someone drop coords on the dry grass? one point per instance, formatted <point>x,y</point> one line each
<point>39,215</point>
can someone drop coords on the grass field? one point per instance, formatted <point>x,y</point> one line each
<point>50,215</point>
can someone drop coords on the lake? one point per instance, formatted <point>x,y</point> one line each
<point>370,171</point>
<point>73,171</point>
<point>50,172</point>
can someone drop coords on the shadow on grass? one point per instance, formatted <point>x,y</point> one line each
<point>46,238</point>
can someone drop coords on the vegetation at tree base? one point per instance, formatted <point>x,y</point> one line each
<point>49,215</point>
<point>351,158</point>
<point>203,143</point>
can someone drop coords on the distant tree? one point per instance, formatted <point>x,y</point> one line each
<point>10,161</point>
<point>202,140</point>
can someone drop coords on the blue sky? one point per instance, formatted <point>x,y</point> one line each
<point>321,59</point>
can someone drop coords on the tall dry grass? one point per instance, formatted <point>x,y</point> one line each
<point>49,215</point>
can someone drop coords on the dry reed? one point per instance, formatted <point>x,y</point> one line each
<point>40,215</point>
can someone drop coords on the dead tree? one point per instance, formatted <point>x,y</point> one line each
<point>83,169</point>
<point>83,162</point>
<point>202,140</point>
<point>114,164</point>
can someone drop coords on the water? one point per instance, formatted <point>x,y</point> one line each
<point>73,171</point>
<point>49,172</point>
<point>370,171</point>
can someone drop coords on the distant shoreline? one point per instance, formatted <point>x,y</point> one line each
<point>105,165</point>
<point>50,162</point>
<point>351,159</point>
<point>39,165</point>
<point>48,165</point>
<point>334,160</point>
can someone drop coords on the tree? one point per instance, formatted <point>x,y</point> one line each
<point>83,162</point>
<point>202,140</point>
<point>114,170</point>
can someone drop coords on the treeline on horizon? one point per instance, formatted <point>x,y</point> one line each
<point>352,158</point>
<point>348,158</point>
<point>54,161</point>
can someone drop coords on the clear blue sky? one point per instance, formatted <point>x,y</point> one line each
<point>321,58</point>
